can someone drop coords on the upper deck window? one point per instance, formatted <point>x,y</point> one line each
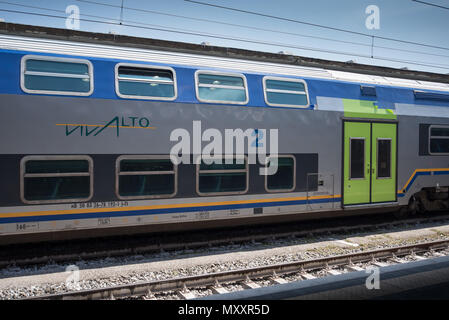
<point>221,88</point>
<point>54,75</point>
<point>143,82</point>
<point>285,93</point>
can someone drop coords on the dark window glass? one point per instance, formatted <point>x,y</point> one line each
<point>146,177</point>
<point>225,178</point>
<point>283,178</point>
<point>46,180</point>
<point>223,165</point>
<point>56,188</point>
<point>383,158</point>
<point>145,74</point>
<point>130,165</point>
<point>146,82</point>
<point>56,166</point>
<point>222,182</point>
<point>357,170</point>
<point>439,145</point>
<point>439,132</point>
<point>144,185</point>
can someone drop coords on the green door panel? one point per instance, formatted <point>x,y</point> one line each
<point>383,179</point>
<point>369,162</point>
<point>357,163</point>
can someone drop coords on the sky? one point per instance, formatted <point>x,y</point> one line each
<point>270,26</point>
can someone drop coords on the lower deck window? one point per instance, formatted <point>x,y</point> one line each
<point>143,178</point>
<point>439,140</point>
<point>284,178</point>
<point>223,178</point>
<point>54,179</point>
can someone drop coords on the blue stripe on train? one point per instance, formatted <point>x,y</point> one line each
<point>159,211</point>
<point>104,83</point>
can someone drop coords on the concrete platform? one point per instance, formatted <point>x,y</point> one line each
<point>426,279</point>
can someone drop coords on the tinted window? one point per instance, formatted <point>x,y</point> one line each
<point>56,188</point>
<point>52,180</point>
<point>285,93</point>
<point>144,185</point>
<point>357,157</point>
<point>222,177</point>
<point>58,76</point>
<point>439,139</point>
<point>439,132</point>
<point>383,158</point>
<point>57,166</point>
<point>146,178</point>
<point>145,82</point>
<point>221,88</point>
<point>439,145</point>
<point>222,182</point>
<point>283,179</point>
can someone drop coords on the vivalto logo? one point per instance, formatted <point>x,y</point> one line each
<point>117,123</point>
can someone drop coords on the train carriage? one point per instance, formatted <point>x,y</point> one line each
<point>89,124</point>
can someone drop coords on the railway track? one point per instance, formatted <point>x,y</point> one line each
<point>34,256</point>
<point>217,283</point>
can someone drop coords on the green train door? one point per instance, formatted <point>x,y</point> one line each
<point>369,170</point>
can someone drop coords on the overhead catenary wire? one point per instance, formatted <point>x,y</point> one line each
<point>121,7</point>
<point>431,4</point>
<point>195,33</point>
<point>314,24</point>
<point>370,45</point>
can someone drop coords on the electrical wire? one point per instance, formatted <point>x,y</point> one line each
<point>431,4</point>
<point>313,24</point>
<point>164,29</point>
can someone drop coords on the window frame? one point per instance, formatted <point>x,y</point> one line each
<point>24,175</point>
<point>264,82</point>
<point>437,137</point>
<point>294,174</point>
<point>137,173</point>
<point>223,157</point>
<point>90,68</point>
<point>144,66</point>
<point>217,73</point>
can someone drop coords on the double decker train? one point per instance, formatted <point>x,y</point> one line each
<point>89,124</point>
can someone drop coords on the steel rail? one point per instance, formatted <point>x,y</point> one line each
<point>241,275</point>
